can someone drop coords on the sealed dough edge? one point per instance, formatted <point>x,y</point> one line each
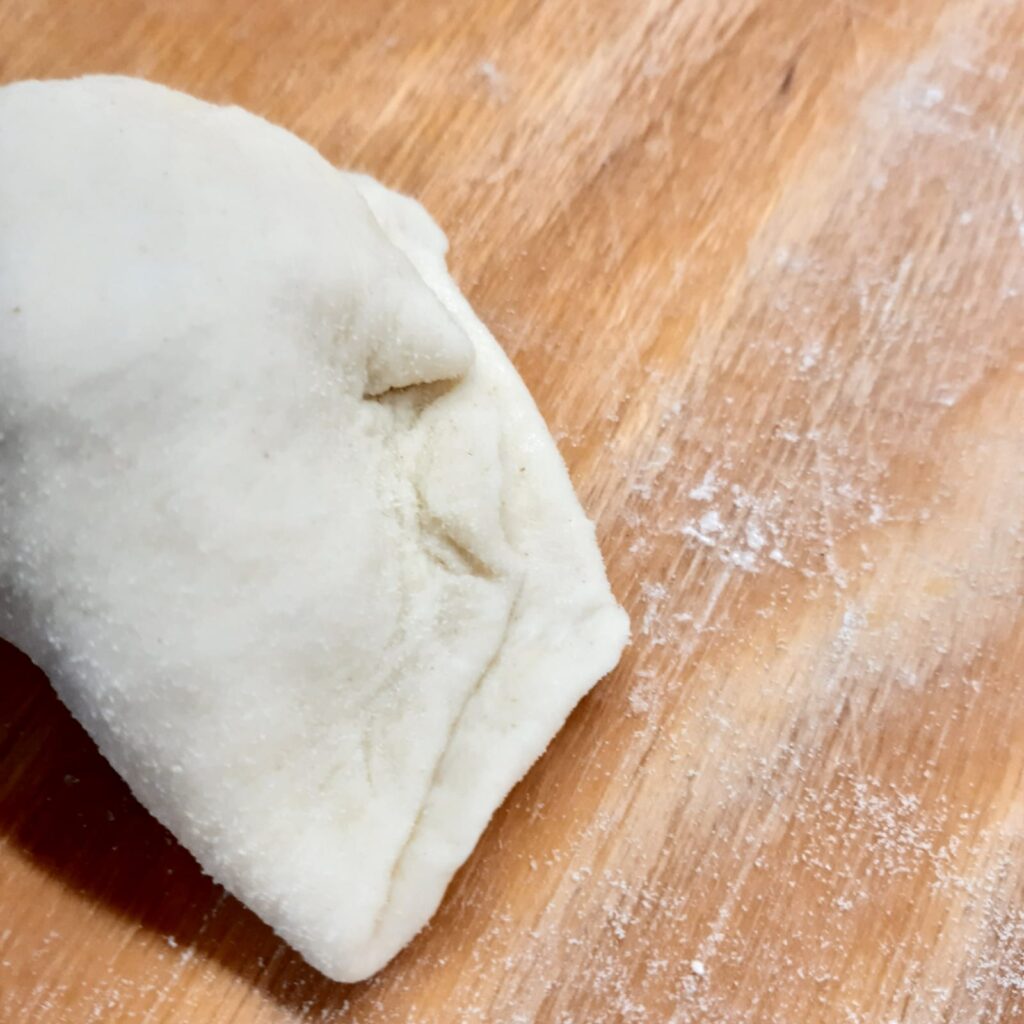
<point>542,590</point>
<point>509,721</point>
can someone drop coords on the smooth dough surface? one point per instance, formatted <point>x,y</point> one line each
<point>277,516</point>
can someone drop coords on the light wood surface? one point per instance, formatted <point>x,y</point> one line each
<point>762,265</point>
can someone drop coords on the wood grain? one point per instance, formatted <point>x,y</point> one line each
<point>762,264</point>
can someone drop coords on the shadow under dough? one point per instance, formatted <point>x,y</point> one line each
<point>64,806</point>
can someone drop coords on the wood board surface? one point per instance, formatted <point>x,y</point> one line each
<point>762,265</point>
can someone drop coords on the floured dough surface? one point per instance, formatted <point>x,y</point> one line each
<point>277,516</point>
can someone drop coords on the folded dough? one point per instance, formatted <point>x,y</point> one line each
<point>277,516</point>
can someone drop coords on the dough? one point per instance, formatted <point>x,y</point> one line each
<point>277,516</point>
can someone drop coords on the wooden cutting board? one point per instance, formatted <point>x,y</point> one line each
<point>762,264</point>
